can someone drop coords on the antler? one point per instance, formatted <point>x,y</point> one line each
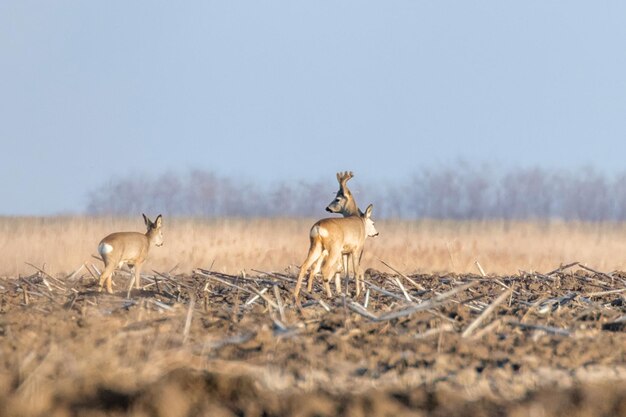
<point>343,177</point>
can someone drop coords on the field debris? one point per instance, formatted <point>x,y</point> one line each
<point>487,344</point>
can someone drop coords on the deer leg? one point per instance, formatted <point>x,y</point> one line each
<point>103,277</point>
<point>360,271</point>
<point>137,271</point>
<point>329,268</point>
<point>338,274</point>
<point>338,282</point>
<point>314,253</point>
<point>106,276</point>
<point>348,258</point>
<point>316,269</point>
<point>357,275</point>
<point>109,283</point>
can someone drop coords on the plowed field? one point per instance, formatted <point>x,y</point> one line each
<point>221,345</point>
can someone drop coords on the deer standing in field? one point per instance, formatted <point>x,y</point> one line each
<point>129,248</point>
<point>338,237</point>
<point>345,204</point>
<point>330,239</point>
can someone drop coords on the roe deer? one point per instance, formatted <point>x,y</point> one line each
<point>345,204</point>
<point>129,248</point>
<point>330,239</point>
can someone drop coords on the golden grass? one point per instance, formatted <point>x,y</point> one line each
<point>62,244</point>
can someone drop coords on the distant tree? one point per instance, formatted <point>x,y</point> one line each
<point>584,196</point>
<point>118,197</point>
<point>617,189</point>
<point>202,194</point>
<point>527,194</point>
<point>461,191</point>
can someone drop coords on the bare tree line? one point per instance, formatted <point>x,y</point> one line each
<point>201,193</point>
<point>462,192</point>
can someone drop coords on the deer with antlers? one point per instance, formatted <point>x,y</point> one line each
<point>335,238</point>
<point>344,203</point>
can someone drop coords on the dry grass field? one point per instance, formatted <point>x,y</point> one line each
<point>439,339</point>
<point>62,244</point>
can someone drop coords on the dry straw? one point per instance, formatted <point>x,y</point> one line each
<point>61,245</point>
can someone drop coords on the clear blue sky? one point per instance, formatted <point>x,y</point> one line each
<point>277,89</point>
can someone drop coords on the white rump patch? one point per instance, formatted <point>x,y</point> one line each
<point>317,230</point>
<point>104,248</point>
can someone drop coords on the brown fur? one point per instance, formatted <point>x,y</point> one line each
<point>344,204</point>
<point>330,239</point>
<point>129,248</point>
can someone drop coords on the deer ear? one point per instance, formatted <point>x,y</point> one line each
<point>368,211</point>
<point>146,220</point>
<point>159,221</point>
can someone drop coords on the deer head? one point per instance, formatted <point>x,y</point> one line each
<point>154,232</point>
<point>344,202</point>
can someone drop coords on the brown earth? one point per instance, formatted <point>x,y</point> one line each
<point>203,344</point>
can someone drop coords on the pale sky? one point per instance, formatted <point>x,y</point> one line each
<point>282,89</point>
